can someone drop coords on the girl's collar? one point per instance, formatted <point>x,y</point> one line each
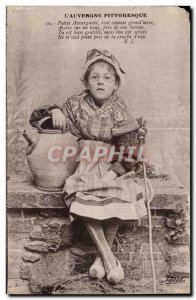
<point>90,100</point>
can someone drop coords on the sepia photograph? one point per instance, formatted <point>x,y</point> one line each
<point>98,150</point>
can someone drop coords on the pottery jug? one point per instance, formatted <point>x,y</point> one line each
<point>46,155</point>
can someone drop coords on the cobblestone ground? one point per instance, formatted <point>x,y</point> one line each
<point>82,284</point>
<point>145,286</point>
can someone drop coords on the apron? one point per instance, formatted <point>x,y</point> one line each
<point>88,195</point>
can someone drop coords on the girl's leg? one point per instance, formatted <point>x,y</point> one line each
<point>112,266</point>
<point>96,232</point>
<point>110,229</point>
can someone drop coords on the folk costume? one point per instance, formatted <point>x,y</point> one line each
<point>86,193</point>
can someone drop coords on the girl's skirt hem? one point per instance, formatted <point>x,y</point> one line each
<point>106,208</point>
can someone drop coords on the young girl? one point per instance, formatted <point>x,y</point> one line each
<point>101,192</point>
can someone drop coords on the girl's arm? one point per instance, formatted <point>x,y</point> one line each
<point>41,112</point>
<point>70,110</point>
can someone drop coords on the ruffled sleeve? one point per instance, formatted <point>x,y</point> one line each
<point>71,110</point>
<point>124,121</point>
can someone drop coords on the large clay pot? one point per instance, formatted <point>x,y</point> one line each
<point>45,156</point>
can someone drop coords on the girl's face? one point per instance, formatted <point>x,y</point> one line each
<point>101,82</point>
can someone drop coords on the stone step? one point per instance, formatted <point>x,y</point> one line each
<point>169,194</point>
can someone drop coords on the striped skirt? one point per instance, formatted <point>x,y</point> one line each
<point>88,195</point>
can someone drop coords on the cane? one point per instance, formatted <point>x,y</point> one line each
<point>141,133</point>
<point>150,229</point>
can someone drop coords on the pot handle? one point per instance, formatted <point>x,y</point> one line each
<point>45,130</point>
<point>32,142</point>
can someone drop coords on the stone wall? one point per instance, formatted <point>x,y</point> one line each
<point>45,249</point>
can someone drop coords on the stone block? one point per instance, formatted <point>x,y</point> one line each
<point>147,256</point>
<point>50,270</point>
<point>37,233</point>
<point>155,247</point>
<point>37,246</point>
<point>136,259</point>
<point>180,271</point>
<point>161,269</point>
<point>136,273</point>
<point>19,224</point>
<point>13,262</point>
<point>25,195</point>
<point>180,262</point>
<point>30,257</point>
<point>56,232</point>
<point>156,221</point>
<point>14,254</point>
<point>160,256</point>
<point>17,242</point>
<point>52,232</point>
<point>13,269</point>
<point>25,270</point>
<point>169,194</point>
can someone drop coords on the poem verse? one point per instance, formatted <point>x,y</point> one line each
<point>127,31</point>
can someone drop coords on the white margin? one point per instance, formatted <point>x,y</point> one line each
<point>3,4</point>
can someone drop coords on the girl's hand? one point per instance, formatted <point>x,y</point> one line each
<point>110,175</point>
<point>58,119</point>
